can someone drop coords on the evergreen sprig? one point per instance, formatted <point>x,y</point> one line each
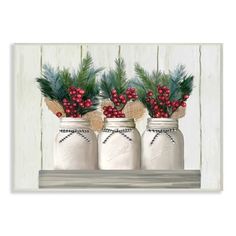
<point>178,82</point>
<point>55,83</point>
<point>114,79</point>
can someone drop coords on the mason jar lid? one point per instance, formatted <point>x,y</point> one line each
<point>162,123</point>
<point>119,122</point>
<point>69,122</point>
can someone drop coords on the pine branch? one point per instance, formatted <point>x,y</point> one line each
<point>114,79</point>
<point>84,70</point>
<point>55,84</point>
<point>121,83</point>
<point>178,82</point>
<point>144,77</point>
<point>181,83</point>
<point>46,89</point>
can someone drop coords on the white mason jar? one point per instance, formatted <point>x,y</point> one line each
<point>162,145</point>
<point>75,146</point>
<point>119,145</point>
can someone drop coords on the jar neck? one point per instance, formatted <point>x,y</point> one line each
<point>119,122</point>
<point>162,123</point>
<point>73,123</point>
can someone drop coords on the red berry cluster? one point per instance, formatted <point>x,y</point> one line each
<point>112,112</point>
<point>76,100</point>
<point>159,106</point>
<point>123,98</point>
<point>119,102</point>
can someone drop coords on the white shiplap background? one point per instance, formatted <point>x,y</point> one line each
<point>35,126</point>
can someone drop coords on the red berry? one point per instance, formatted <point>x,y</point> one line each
<point>186,97</point>
<point>113,91</point>
<point>152,101</point>
<point>183,104</point>
<point>160,91</point>
<point>121,97</point>
<point>82,92</point>
<point>157,116</point>
<point>81,104</point>
<point>59,114</point>
<point>177,104</point>
<point>64,100</point>
<point>67,111</point>
<point>150,94</point>
<point>87,104</point>
<point>115,100</point>
<point>164,88</point>
<point>155,108</point>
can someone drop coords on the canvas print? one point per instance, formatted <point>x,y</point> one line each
<point>126,116</point>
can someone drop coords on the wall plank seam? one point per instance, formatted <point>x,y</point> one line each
<point>41,111</point>
<point>157,58</point>
<point>200,101</point>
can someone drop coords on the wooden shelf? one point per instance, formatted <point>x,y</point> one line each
<point>103,179</point>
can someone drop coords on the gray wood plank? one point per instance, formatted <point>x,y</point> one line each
<point>144,179</point>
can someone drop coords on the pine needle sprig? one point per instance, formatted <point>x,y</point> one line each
<point>57,84</point>
<point>144,76</point>
<point>114,79</point>
<point>46,88</point>
<point>181,83</point>
<point>121,81</point>
<point>151,87</point>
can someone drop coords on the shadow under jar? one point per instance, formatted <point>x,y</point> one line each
<point>119,145</point>
<point>75,146</point>
<point>162,145</point>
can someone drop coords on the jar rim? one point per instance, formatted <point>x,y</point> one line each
<point>68,119</point>
<point>162,119</point>
<point>119,119</point>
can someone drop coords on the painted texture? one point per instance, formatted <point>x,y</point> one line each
<point>144,179</point>
<point>35,129</point>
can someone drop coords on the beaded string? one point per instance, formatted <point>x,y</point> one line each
<point>80,132</point>
<point>113,131</point>
<point>160,131</point>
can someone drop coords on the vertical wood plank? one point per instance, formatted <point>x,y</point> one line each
<point>67,56</point>
<point>146,55</point>
<point>103,55</point>
<point>169,57</point>
<point>27,123</point>
<point>211,73</point>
